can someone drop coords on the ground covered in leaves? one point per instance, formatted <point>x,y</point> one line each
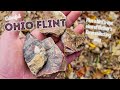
<point>96,61</point>
<point>99,61</point>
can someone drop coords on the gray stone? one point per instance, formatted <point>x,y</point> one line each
<point>34,53</point>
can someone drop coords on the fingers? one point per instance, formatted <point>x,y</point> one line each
<point>72,17</point>
<point>60,45</point>
<point>72,57</point>
<point>79,29</point>
<point>65,12</point>
<point>13,33</point>
<point>56,39</point>
<point>38,35</point>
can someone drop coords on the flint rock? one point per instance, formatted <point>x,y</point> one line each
<point>43,57</point>
<point>53,15</point>
<point>73,42</point>
<point>34,53</point>
<point>55,58</point>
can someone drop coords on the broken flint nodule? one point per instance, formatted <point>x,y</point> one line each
<point>34,53</point>
<point>73,42</point>
<point>60,23</point>
<point>43,57</point>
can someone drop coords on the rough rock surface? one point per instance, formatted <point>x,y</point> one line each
<point>56,60</point>
<point>72,41</point>
<point>34,53</point>
<point>43,54</point>
<point>53,15</point>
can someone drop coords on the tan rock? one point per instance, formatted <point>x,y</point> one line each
<point>53,15</point>
<point>36,63</point>
<point>72,41</point>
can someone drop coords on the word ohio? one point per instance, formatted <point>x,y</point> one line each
<point>43,24</point>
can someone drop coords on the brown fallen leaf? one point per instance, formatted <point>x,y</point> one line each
<point>81,72</point>
<point>97,75</point>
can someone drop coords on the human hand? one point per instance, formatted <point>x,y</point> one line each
<point>12,64</point>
